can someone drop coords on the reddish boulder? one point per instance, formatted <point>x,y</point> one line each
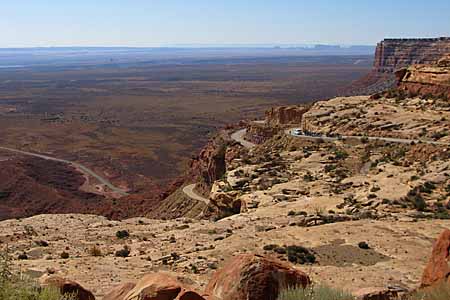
<point>159,286</point>
<point>438,268</point>
<point>254,277</point>
<point>189,295</point>
<point>68,287</point>
<point>120,291</point>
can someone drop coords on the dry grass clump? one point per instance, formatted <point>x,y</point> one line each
<point>315,292</point>
<point>17,287</point>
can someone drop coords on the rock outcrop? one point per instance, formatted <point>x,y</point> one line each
<point>210,164</point>
<point>68,287</point>
<point>156,286</point>
<point>253,277</point>
<point>284,115</point>
<point>392,54</point>
<point>438,267</point>
<point>120,291</point>
<point>426,80</point>
<point>259,133</point>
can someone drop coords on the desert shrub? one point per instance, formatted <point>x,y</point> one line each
<point>439,135</point>
<point>95,251</point>
<point>125,252</point>
<point>122,234</point>
<point>363,245</point>
<point>340,154</point>
<point>22,256</point>
<point>300,255</point>
<point>64,255</point>
<point>414,178</point>
<point>330,167</point>
<point>375,189</point>
<point>427,187</point>
<point>440,292</point>
<point>14,287</point>
<point>314,292</point>
<point>42,243</point>
<point>416,199</point>
<point>308,177</point>
<point>418,202</point>
<point>270,247</point>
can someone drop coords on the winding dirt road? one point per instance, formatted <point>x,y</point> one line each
<point>370,138</point>
<point>238,136</point>
<point>78,166</point>
<point>189,191</point>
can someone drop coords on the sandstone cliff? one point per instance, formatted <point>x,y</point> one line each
<point>284,115</point>
<point>426,80</point>
<point>392,54</point>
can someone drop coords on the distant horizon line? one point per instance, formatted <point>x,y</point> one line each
<point>225,45</point>
<point>201,46</point>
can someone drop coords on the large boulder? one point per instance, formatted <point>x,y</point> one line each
<point>68,287</point>
<point>158,286</point>
<point>120,291</point>
<point>223,204</point>
<point>254,277</point>
<point>438,269</point>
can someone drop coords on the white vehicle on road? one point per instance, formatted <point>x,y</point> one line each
<point>297,132</point>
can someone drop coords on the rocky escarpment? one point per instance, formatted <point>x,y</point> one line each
<point>426,80</point>
<point>392,54</point>
<point>276,119</point>
<point>283,115</point>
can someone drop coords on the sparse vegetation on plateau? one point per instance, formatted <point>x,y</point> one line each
<point>315,292</point>
<point>15,287</point>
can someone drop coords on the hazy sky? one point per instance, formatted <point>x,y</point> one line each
<point>162,22</point>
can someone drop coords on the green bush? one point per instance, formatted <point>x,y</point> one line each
<point>122,234</point>
<point>438,293</point>
<point>315,292</point>
<point>14,287</point>
<point>340,154</point>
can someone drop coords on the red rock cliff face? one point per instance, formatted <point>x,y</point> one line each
<point>392,54</point>
<point>426,80</point>
<point>285,115</point>
<point>210,164</point>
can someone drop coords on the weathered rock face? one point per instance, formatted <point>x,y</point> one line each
<point>425,80</point>
<point>253,277</point>
<point>259,133</point>
<point>156,286</point>
<point>284,115</point>
<point>67,287</point>
<point>392,54</point>
<point>222,205</point>
<point>210,164</point>
<point>119,292</point>
<point>438,268</point>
